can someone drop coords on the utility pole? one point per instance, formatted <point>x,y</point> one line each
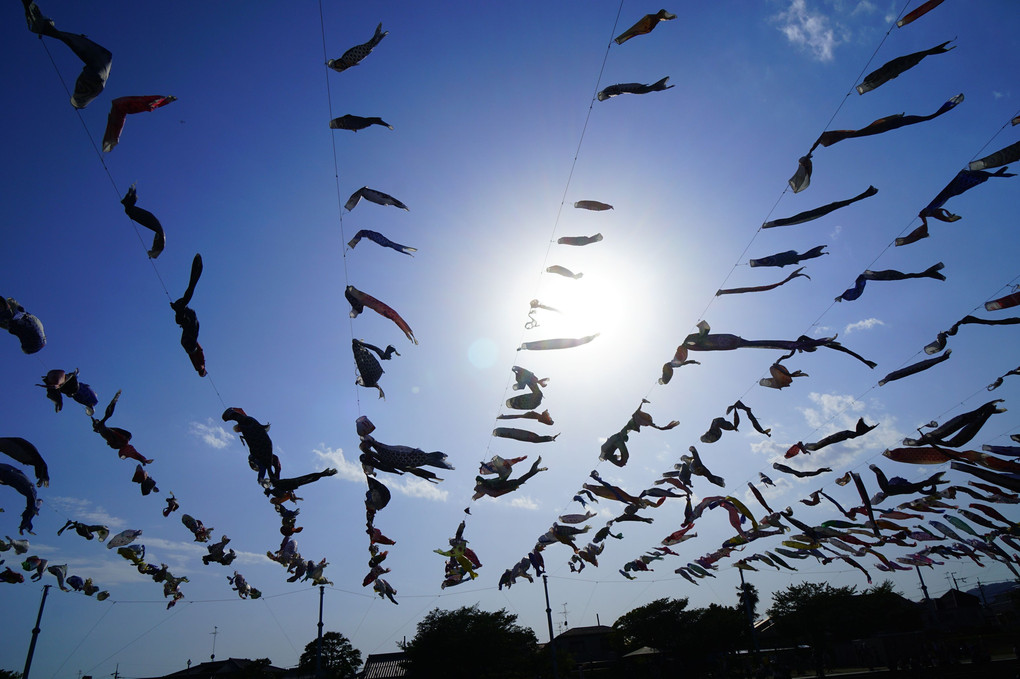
<point>981,588</point>
<point>951,575</point>
<point>318,650</point>
<point>548,619</point>
<point>35,633</point>
<point>748,612</point>
<point>924,588</point>
<point>213,633</point>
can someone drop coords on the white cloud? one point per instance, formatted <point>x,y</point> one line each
<point>866,324</point>
<point>415,487</point>
<point>213,434</point>
<point>84,511</point>
<point>836,231</point>
<point>348,471</point>
<point>839,406</point>
<point>411,486</point>
<point>524,502</point>
<point>839,412</point>
<point>186,553</point>
<point>808,30</point>
<point>864,7</point>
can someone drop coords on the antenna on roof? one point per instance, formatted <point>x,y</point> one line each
<point>213,633</point>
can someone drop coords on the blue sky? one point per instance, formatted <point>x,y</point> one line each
<point>495,136</point>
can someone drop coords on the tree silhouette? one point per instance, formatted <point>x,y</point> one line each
<point>340,660</point>
<point>471,643</point>
<point>747,600</point>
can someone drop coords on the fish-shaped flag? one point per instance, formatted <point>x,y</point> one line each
<point>355,123</point>
<point>679,360</point>
<point>373,196</point>
<point>501,485</point>
<point>915,368</point>
<point>998,382</point>
<point>1003,156</point>
<point>115,437</point>
<point>940,340</point>
<point>963,181</point>
<point>16,479</point>
<point>354,55</point>
<point>633,88</point>
<point>96,59</point>
<point>780,376</point>
<point>593,205</point>
<point>850,294</point>
<point>788,257</point>
<point>403,458</point>
<point>542,417</point>
<point>960,429</point>
<point>121,107</point>
<point>23,325</point>
<point>563,271</point>
<point>24,452</point>
<point>798,473</point>
<point>146,219</point>
<point>801,179</point>
<point>522,435</point>
<point>938,455</point>
<point>283,489</point>
<point>705,340</point>
<point>255,436</point>
<point>558,343</point>
<point>1007,302</point>
<point>763,288</point>
<point>123,538</point>
<point>918,12</point>
<point>187,319</point>
<point>380,239</point>
<point>369,370</point>
<point>817,212</point>
<point>892,122</point>
<point>897,66</point>
<point>644,26</point>
<point>579,240</point>
<point>359,300</point>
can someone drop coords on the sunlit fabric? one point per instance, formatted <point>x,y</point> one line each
<point>121,107</point>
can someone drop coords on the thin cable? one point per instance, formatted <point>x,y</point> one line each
<point>284,631</point>
<point>145,633</point>
<point>75,649</point>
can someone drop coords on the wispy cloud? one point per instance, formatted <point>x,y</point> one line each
<point>864,7</point>
<point>866,324</point>
<point>211,433</point>
<point>524,502</point>
<point>334,457</point>
<point>187,553</point>
<point>837,412</point>
<point>415,487</point>
<point>352,471</point>
<point>810,30</point>
<point>85,512</point>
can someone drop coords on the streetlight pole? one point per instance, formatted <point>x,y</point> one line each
<point>548,619</point>
<point>35,633</point>
<point>318,652</point>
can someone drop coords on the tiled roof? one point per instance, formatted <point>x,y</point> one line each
<point>384,666</point>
